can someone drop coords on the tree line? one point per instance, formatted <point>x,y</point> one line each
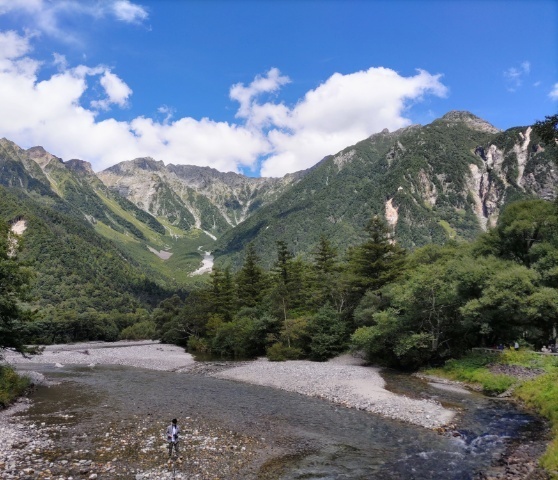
<point>398,307</point>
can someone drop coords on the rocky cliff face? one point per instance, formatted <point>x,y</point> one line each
<point>512,164</point>
<point>190,196</point>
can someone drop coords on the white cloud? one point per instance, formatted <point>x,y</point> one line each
<point>128,12</point>
<point>168,113</point>
<point>25,5</point>
<point>340,112</point>
<point>45,15</point>
<point>49,112</point>
<point>514,76</point>
<point>246,96</point>
<point>117,92</point>
<point>343,110</point>
<point>554,92</point>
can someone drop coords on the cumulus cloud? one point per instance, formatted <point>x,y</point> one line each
<point>269,83</point>
<point>58,113</point>
<point>340,112</point>
<point>554,92</point>
<point>117,91</point>
<point>514,76</point>
<point>49,112</point>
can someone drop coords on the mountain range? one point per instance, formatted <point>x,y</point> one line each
<point>445,180</point>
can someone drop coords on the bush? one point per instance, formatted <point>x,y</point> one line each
<point>145,330</point>
<point>197,344</point>
<point>11,385</point>
<point>232,339</point>
<point>328,334</point>
<point>278,352</point>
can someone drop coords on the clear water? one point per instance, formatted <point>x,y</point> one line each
<point>317,440</point>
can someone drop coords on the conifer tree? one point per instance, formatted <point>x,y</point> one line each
<point>376,262</point>
<point>326,271</point>
<point>223,293</point>
<point>250,279</point>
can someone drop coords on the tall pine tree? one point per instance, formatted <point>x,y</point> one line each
<point>250,280</point>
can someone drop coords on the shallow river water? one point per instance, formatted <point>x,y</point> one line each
<point>313,439</point>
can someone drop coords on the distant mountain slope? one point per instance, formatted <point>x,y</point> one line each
<point>448,179</point>
<point>88,245</point>
<point>194,197</point>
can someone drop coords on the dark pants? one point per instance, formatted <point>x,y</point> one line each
<point>175,445</point>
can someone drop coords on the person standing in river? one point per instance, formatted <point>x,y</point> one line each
<point>173,432</point>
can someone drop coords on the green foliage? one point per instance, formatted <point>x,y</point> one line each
<point>250,280</point>
<point>235,339</point>
<point>279,352</point>
<point>547,129</point>
<point>473,369</point>
<point>14,280</point>
<point>11,385</point>
<point>522,226</point>
<point>542,394</point>
<point>328,334</point>
<point>146,330</point>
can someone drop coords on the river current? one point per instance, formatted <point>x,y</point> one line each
<point>316,439</point>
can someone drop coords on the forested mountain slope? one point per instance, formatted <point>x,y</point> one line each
<point>79,274</point>
<point>448,179</point>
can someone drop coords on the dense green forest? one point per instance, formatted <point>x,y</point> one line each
<point>83,287</point>
<point>400,308</point>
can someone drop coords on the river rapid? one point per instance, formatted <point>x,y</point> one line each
<point>114,416</point>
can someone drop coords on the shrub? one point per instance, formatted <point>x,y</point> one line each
<point>197,344</point>
<point>145,330</point>
<point>279,352</point>
<point>11,385</point>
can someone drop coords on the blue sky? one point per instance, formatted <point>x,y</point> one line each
<point>264,87</point>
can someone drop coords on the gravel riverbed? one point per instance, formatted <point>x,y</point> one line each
<point>343,380</point>
<point>33,450</point>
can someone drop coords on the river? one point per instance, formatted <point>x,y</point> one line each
<point>295,437</point>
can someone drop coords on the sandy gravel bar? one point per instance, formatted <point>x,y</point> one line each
<point>342,381</point>
<point>146,354</point>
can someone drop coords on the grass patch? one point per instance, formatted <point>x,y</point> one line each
<point>541,394</point>
<point>473,369</point>
<point>450,232</point>
<point>11,385</point>
<point>527,358</point>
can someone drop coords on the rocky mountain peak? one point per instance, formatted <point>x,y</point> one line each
<point>144,163</point>
<point>41,156</point>
<point>472,121</point>
<point>79,166</point>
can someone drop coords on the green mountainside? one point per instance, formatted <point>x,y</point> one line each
<point>87,245</point>
<point>445,180</point>
<point>129,236</point>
